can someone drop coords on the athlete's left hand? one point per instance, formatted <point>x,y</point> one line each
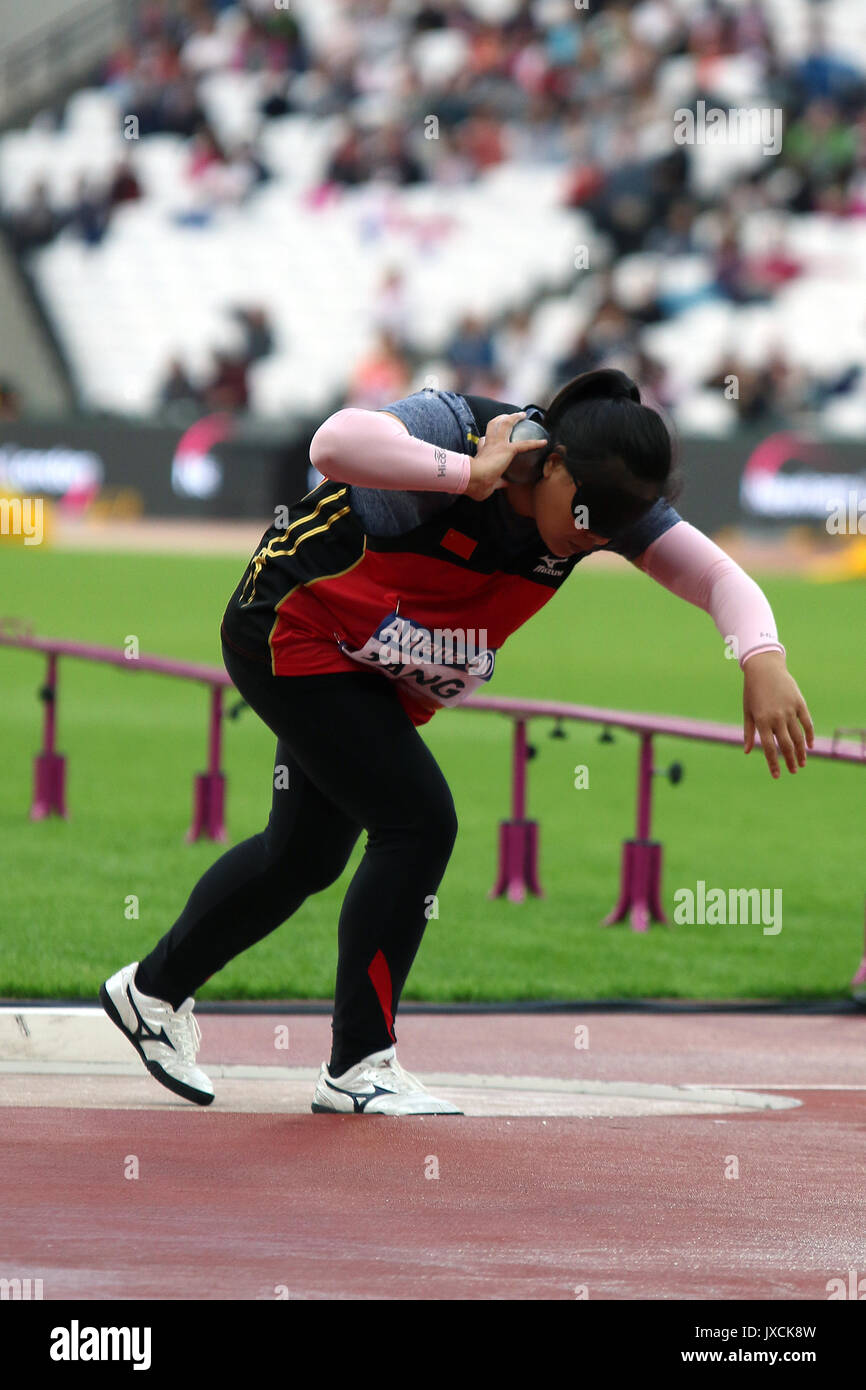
<point>774,706</point>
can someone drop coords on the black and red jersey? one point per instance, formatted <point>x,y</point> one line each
<point>325,584</point>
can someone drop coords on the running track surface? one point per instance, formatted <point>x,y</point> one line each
<point>257,1198</point>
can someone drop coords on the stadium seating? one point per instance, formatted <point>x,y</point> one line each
<point>172,265</point>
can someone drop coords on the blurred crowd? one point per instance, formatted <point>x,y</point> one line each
<point>87,216</point>
<point>541,81</point>
<point>226,386</point>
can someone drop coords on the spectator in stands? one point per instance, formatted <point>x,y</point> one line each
<point>118,74</point>
<point>625,207</point>
<point>822,148</point>
<point>89,213</point>
<point>839,384</point>
<point>247,161</point>
<point>471,351</point>
<point>271,41</point>
<point>751,30</point>
<point>834,200</point>
<point>257,330</point>
<point>223,178</point>
<point>732,278</point>
<point>676,237</point>
<point>772,268</point>
<point>655,381</point>
<point>611,331</point>
<point>450,164</point>
<point>391,310</point>
<point>228,388</point>
<point>764,394</point>
<point>144,90</point>
<point>519,358</point>
<point>277,99</point>
<point>205,152</point>
<point>658,24</point>
<point>210,47</point>
<point>823,75</point>
<point>481,140</point>
<point>381,376</point>
<point>348,164</point>
<point>34,225</point>
<point>392,160</point>
<point>154,19</point>
<point>579,358</point>
<point>177,387</point>
<point>793,388</point>
<point>180,112</point>
<point>856,191</point>
<point>124,187</point>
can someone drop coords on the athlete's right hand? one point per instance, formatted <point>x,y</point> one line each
<point>494,455</point>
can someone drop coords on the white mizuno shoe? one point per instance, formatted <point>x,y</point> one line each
<point>165,1039</point>
<point>377,1085</point>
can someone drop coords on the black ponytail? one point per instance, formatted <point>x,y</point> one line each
<point>618,450</point>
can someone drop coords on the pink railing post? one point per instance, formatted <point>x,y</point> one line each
<point>641,868</point>
<point>518,777</point>
<point>644,787</point>
<point>49,766</point>
<point>518,837</point>
<point>209,787</point>
<point>859,980</point>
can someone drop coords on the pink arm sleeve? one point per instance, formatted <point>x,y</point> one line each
<point>371,449</point>
<point>689,564</point>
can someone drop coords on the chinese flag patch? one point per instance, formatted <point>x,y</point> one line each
<point>458,543</point>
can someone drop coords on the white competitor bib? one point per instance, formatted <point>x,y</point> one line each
<point>446,664</point>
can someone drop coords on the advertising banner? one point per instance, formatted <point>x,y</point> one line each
<point>220,468</point>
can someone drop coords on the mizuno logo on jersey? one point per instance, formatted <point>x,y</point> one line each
<point>549,565</point>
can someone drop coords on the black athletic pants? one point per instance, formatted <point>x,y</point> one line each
<point>348,759</point>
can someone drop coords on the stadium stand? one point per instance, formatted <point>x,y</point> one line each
<point>507,203</point>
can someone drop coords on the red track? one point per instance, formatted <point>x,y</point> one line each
<point>238,1206</point>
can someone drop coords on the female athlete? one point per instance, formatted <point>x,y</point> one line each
<point>383,596</point>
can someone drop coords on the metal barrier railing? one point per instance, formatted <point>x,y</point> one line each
<point>49,773</point>
<point>640,878</point>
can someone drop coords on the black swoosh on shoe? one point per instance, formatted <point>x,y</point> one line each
<point>359,1099</point>
<point>171,1083</point>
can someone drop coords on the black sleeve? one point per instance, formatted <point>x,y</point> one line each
<point>484,410</point>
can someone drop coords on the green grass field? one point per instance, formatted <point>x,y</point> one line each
<point>611,637</point>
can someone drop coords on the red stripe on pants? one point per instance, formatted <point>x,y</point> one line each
<point>381,978</point>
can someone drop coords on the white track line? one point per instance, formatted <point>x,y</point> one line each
<point>482,1094</point>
